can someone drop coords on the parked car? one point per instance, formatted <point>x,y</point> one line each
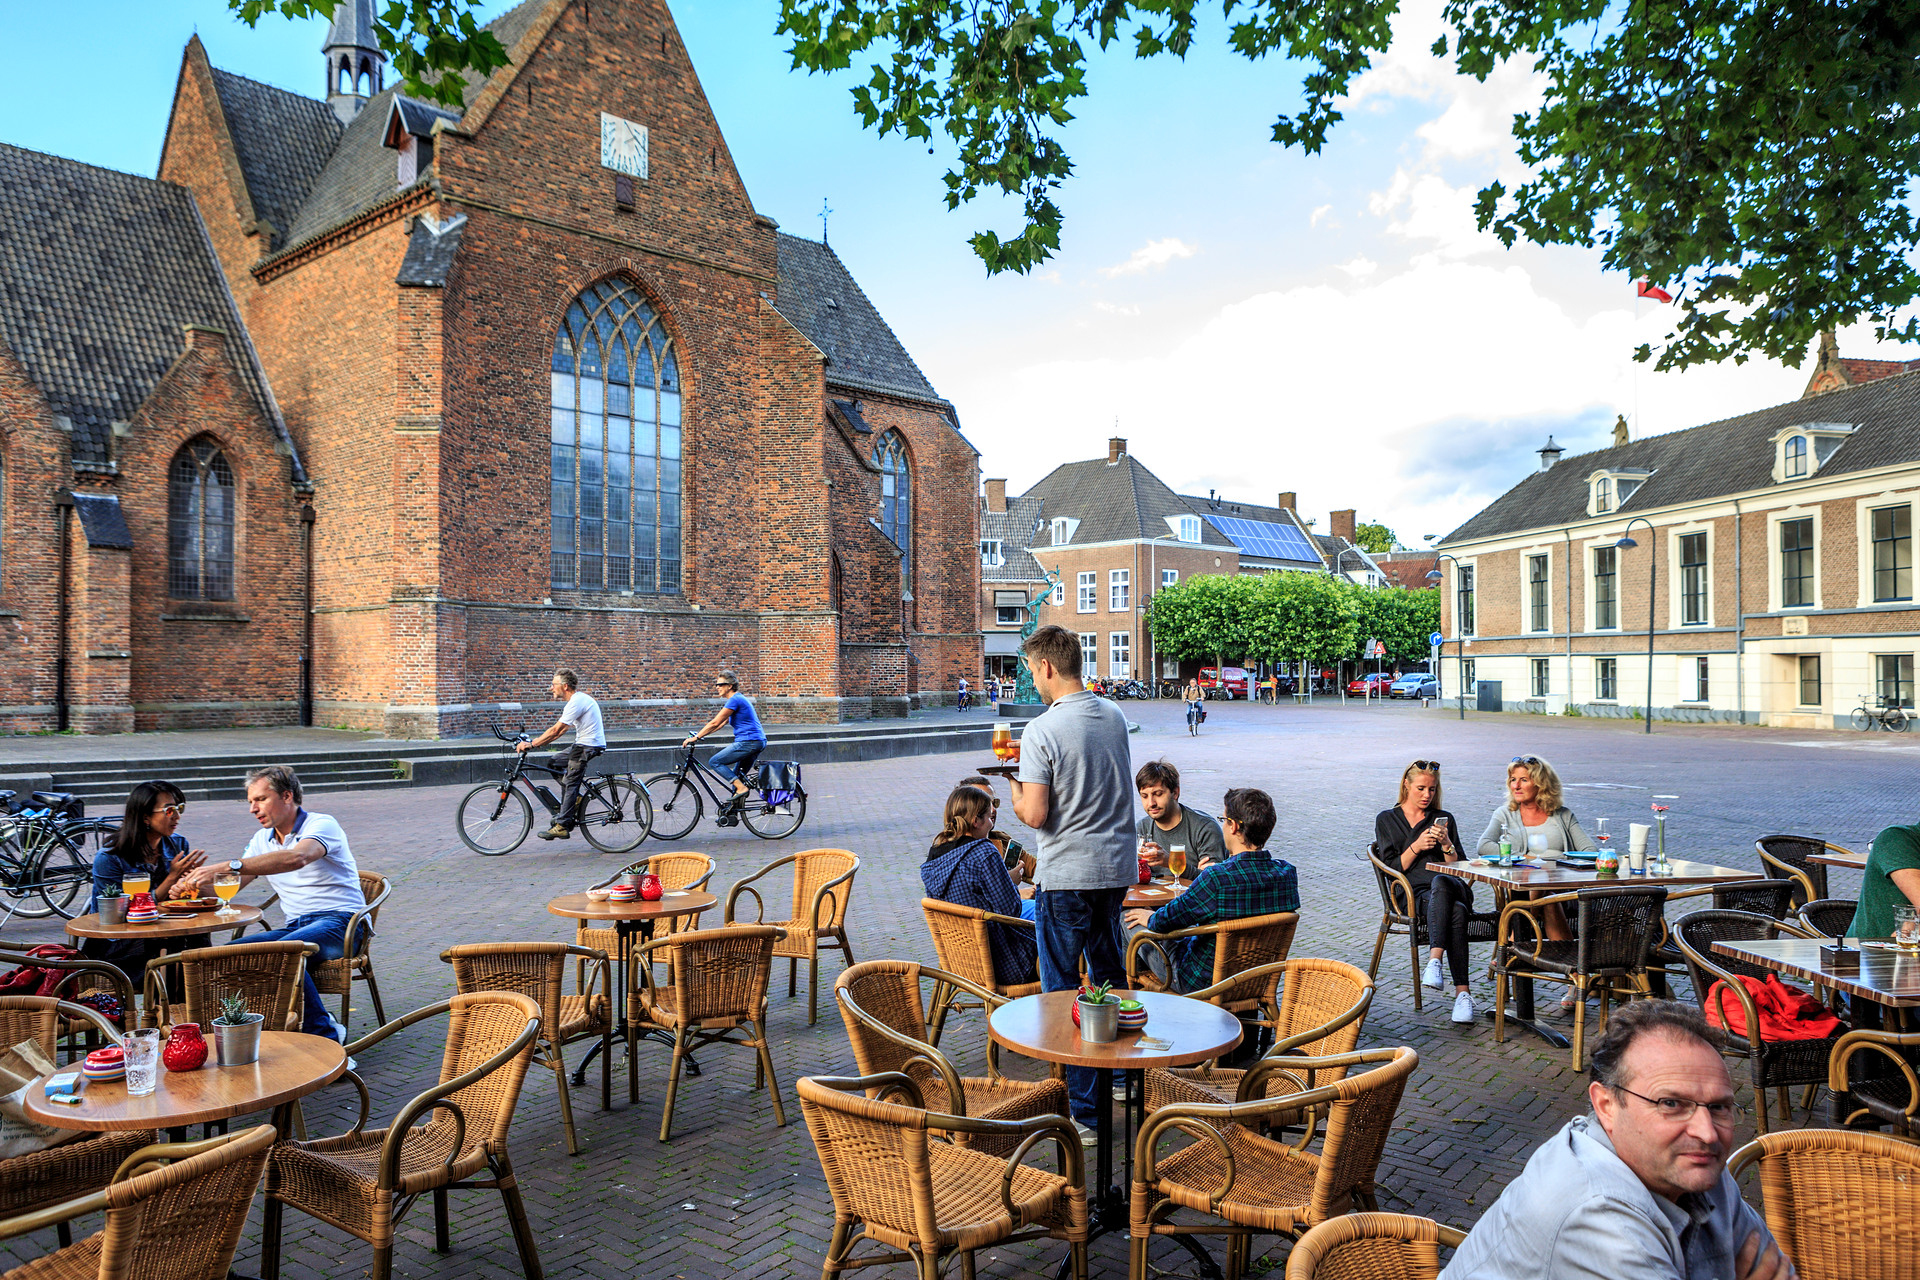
<point>1429,687</point>
<point>1407,686</point>
<point>1375,685</point>
<point>1223,682</point>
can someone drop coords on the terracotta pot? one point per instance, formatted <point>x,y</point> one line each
<point>186,1048</point>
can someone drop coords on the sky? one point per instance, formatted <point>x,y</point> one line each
<point>1252,319</point>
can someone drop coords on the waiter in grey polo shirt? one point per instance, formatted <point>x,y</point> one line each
<point>1075,790</point>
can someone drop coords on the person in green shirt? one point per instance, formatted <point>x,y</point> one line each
<point>1892,879</point>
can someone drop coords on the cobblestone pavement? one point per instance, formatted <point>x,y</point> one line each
<point>734,1195</point>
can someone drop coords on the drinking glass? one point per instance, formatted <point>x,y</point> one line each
<point>1177,860</point>
<point>136,883</point>
<point>1906,928</point>
<point>226,884</point>
<point>1002,739</point>
<point>142,1048</point>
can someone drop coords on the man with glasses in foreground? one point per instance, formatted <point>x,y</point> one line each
<point>1639,1189</point>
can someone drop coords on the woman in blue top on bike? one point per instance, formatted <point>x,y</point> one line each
<point>749,740</point>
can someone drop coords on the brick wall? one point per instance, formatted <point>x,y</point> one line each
<point>33,469</point>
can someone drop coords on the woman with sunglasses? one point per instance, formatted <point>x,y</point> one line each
<point>1535,823</point>
<point>1412,835</point>
<point>145,845</point>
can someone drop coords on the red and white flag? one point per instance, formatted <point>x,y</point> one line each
<point>1642,289</point>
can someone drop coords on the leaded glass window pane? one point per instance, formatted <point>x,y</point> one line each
<point>200,518</point>
<point>896,489</point>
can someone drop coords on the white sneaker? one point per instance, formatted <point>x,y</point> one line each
<point>1089,1137</point>
<point>1430,977</point>
<point>1120,1093</point>
<point>1463,1007</point>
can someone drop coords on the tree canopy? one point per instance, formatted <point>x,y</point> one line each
<point>1375,538</point>
<point>1289,617</point>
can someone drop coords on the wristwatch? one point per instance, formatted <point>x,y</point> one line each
<point>236,865</point>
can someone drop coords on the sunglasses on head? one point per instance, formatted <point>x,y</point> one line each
<point>1526,760</point>
<point>1424,766</point>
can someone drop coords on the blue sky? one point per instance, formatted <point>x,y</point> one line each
<point>1252,319</point>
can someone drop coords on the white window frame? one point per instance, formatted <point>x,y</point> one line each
<point>1821,439</point>
<point>1776,565</point>
<point>1699,678</point>
<point>1606,671</point>
<point>1089,655</point>
<point>999,610</point>
<point>1087,592</point>
<point>1863,535</point>
<point>991,556</point>
<point>1823,673</point>
<point>1119,590</point>
<point>1062,530</point>
<point>1526,585</point>
<point>1676,595</point>
<point>1120,654</point>
<point>1539,677</point>
<point>1189,530</point>
<point>1059,597</point>
<point>1591,588</point>
<point>1169,578</point>
<point>1452,603</point>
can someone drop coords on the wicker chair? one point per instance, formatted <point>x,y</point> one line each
<point>880,1003</point>
<point>41,1179</point>
<point>822,890</point>
<point>960,941</point>
<point>1614,938</point>
<point>1775,1064</point>
<point>336,977</point>
<point>1257,1184</point>
<point>677,871</point>
<point>267,973</point>
<point>719,987</point>
<point>1323,1005</point>
<point>893,1183</point>
<point>538,970</point>
<point>1889,1095</point>
<point>1372,1246</point>
<point>1770,898</point>
<point>1843,1205</point>
<point>364,1180</point>
<point>1828,917</point>
<point>1788,856</point>
<point>83,975</point>
<point>1239,947</point>
<point>1398,916</point>
<point>174,1212</point>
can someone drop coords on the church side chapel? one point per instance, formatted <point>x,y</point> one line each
<point>369,413</point>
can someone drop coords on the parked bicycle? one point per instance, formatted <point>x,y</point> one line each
<point>774,807</point>
<point>616,813</point>
<point>46,854</point>
<point>1888,715</point>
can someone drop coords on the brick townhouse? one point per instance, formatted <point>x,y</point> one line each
<point>1774,552</point>
<point>1112,533</point>
<point>381,411</point>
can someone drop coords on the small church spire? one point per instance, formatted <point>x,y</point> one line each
<point>356,68</point>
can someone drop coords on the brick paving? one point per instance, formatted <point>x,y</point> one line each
<point>734,1195</point>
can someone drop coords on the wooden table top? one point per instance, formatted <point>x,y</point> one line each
<point>1885,977</point>
<point>1042,1027</point>
<point>1153,896</point>
<point>1552,875</point>
<point>292,1065</point>
<point>675,902</point>
<point>1850,861</point>
<point>90,926</point>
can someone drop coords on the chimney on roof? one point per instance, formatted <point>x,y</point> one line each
<point>1288,501</point>
<point>1341,523</point>
<point>1116,449</point>
<point>1550,455</point>
<point>1619,430</point>
<point>997,496</point>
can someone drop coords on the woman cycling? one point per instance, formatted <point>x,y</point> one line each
<point>1192,696</point>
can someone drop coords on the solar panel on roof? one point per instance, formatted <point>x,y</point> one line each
<point>1269,541</point>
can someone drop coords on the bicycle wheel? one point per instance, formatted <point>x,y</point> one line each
<point>491,821</point>
<point>1897,720</point>
<point>676,805</point>
<point>1860,719</point>
<point>63,875</point>
<point>618,817</point>
<point>775,822</point>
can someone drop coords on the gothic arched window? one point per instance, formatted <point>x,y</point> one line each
<point>200,507</point>
<point>896,488</point>
<point>616,446</point>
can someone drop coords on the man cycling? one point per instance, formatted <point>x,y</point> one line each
<point>749,740</point>
<point>1196,712</point>
<point>965,699</point>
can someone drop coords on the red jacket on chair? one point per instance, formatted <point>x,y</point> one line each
<point>1786,1013</point>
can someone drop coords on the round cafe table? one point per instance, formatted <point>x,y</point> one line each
<point>1151,897</point>
<point>291,1066</point>
<point>1180,1032</point>
<point>630,918</point>
<point>92,926</point>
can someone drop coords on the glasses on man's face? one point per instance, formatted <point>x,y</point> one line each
<point>1427,766</point>
<point>1724,1114</point>
<point>175,809</point>
<point>1526,760</point>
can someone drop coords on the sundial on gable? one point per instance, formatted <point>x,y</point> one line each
<point>623,146</point>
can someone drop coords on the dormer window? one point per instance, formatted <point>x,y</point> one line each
<point>1189,528</point>
<point>1803,449</point>
<point>1796,458</point>
<point>1603,495</point>
<point>990,554</point>
<point>1609,490</point>
<point>1063,527</point>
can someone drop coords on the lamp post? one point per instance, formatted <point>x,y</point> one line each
<point>1626,543</point>
<point>1460,634</point>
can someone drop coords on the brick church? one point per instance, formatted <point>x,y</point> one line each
<point>368,413</point>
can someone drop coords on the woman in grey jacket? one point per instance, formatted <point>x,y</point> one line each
<point>1536,823</point>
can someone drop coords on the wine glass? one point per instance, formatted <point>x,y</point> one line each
<point>226,884</point>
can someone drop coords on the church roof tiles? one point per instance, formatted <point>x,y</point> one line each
<point>819,297</point>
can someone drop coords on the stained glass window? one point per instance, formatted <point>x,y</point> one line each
<point>200,506</point>
<point>896,488</point>
<point>616,447</point>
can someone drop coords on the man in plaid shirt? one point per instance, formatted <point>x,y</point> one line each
<point>1250,882</point>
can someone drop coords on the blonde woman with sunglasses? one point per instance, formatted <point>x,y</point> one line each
<point>1535,822</point>
<point>1412,835</point>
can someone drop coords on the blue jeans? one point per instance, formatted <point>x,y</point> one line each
<point>328,931</point>
<point>1071,923</point>
<point>737,757</point>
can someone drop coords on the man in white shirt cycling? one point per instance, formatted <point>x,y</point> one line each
<point>582,715</point>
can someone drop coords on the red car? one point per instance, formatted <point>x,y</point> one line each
<point>1224,682</point>
<point>1374,685</point>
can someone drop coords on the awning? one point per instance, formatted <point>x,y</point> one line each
<point>999,642</point>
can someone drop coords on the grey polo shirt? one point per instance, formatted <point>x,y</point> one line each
<point>1577,1212</point>
<point>1078,748</point>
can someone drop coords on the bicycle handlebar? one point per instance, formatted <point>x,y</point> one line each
<point>504,736</point>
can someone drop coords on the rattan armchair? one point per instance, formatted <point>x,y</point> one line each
<point>266,973</point>
<point>1400,914</point>
<point>961,942</point>
<point>1239,947</point>
<point>1842,1204</point>
<point>719,988</point>
<point>1372,1246</point>
<point>40,1179</point>
<point>1774,1064</point>
<point>682,870</point>
<point>365,1180</point>
<point>880,1003</point>
<point>1890,1094</point>
<point>539,970</point>
<point>1788,856</point>
<point>1828,917</point>
<point>1257,1184</point>
<point>925,1200</point>
<point>336,977</point>
<point>174,1212</point>
<point>1615,932</point>
<point>822,889</point>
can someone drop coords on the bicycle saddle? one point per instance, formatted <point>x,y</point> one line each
<point>52,798</point>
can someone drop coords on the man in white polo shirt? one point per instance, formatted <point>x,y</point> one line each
<point>304,856</point>
<point>582,715</point>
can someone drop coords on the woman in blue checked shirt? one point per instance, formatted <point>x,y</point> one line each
<point>965,868</point>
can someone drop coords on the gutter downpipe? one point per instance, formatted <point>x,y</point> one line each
<point>64,503</point>
<point>306,649</point>
<point>1568,534</point>
<point>1740,620</point>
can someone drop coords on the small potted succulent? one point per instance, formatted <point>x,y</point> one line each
<point>1097,1010</point>
<point>111,905</point>
<point>236,1032</point>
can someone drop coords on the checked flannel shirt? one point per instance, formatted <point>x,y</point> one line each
<point>1253,883</point>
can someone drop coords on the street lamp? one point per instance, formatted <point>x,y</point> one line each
<point>1626,543</point>
<point>1460,634</point>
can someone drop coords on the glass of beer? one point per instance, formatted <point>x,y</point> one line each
<point>1906,928</point>
<point>226,884</point>
<point>1177,861</point>
<point>136,882</point>
<point>1002,740</point>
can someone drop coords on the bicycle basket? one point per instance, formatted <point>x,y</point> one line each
<point>779,780</point>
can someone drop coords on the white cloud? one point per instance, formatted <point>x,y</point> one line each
<point>1360,268</point>
<point>1323,211</point>
<point>1431,211</point>
<point>1117,309</point>
<point>1154,253</point>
